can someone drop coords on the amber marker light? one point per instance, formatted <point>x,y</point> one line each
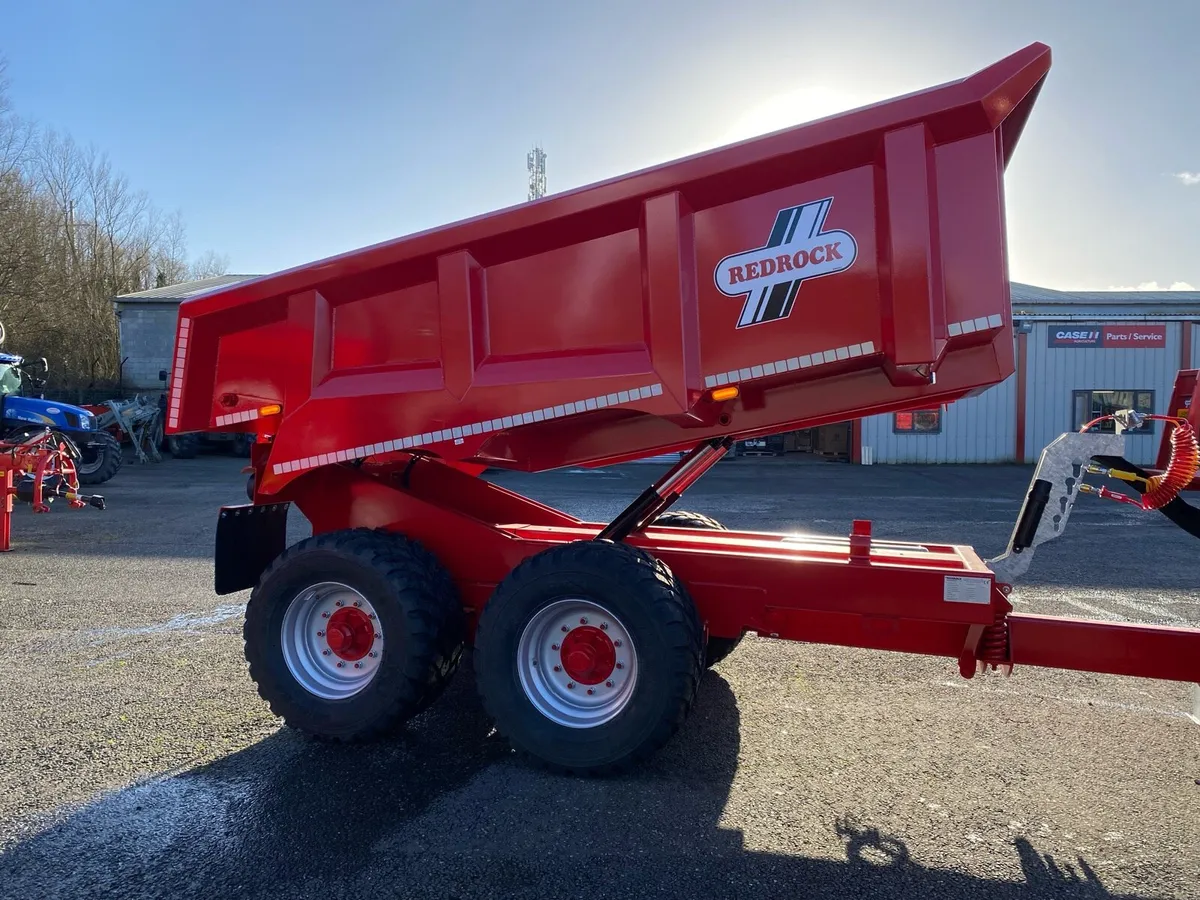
<point>724,393</point>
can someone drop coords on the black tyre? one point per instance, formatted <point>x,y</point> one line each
<point>241,444</point>
<point>351,633</point>
<point>183,446</point>
<point>588,657</point>
<point>97,464</point>
<point>718,648</point>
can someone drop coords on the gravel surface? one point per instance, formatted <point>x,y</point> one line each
<point>137,761</point>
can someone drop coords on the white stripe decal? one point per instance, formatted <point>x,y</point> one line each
<point>457,433</point>
<point>969,326</point>
<point>246,415</point>
<point>779,366</point>
<point>185,326</point>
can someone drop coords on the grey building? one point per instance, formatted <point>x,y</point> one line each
<point>146,323</point>
<point>1079,355</point>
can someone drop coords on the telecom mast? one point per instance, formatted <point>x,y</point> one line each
<point>535,162</point>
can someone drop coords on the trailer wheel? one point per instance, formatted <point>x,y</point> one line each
<point>351,633</point>
<point>99,464</point>
<point>183,446</point>
<point>588,656</point>
<point>718,648</point>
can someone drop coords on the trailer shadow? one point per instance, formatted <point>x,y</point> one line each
<point>443,810</point>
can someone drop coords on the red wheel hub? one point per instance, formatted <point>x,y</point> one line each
<point>350,633</point>
<point>588,655</point>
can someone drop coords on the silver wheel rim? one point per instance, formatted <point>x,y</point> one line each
<point>310,651</point>
<point>548,680</point>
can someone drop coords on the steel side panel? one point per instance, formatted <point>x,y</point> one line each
<point>817,268</point>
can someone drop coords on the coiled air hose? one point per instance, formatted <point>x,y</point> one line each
<point>1160,489</point>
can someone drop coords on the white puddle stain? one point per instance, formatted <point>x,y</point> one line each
<point>186,624</point>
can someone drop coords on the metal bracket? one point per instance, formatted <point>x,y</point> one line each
<point>1051,497</point>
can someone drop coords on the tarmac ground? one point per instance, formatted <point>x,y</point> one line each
<point>136,759</point>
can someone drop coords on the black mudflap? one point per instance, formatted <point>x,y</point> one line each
<point>248,538</point>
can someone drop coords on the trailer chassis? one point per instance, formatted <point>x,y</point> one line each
<point>490,566</point>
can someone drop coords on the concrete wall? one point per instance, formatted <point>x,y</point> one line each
<point>147,335</point>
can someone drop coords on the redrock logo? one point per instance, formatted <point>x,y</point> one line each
<point>769,277</point>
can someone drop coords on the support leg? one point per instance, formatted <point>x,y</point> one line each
<point>657,498</point>
<point>6,511</point>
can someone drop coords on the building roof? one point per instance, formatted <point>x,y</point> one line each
<point>1039,301</point>
<point>177,293</point>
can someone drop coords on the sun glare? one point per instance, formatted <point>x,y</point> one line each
<point>794,107</point>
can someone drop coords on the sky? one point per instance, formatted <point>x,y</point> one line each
<point>287,132</point>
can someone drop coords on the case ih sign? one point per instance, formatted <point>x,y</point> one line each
<point>1108,336</point>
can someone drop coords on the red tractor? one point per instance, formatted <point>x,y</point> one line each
<point>848,267</point>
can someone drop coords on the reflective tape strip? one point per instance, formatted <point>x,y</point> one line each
<point>983,323</point>
<point>246,415</point>
<point>766,370</point>
<point>459,433</point>
<point>173,401</point>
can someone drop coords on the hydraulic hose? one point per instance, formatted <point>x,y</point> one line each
<point>1158,490</point>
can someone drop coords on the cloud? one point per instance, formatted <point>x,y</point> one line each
<point>1188,179</point>
<point>1155,286</point>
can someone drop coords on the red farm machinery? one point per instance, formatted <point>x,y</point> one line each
<point>847,267</point>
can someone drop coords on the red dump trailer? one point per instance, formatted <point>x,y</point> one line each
<point>847,267</point>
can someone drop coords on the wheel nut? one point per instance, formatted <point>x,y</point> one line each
<point>374,654</point>
<point>338,603</point>
<point>604,626</point>
<point>583,621</point>
<point>554,646</point>
<point>320,634</point>
<point>565,628</point>
<point>590,692</point>
<point>616,643</point>
<point>378,636</point>
<point>324,615</point>
<point>341,665</point>
<point>324,652</point>
<point>608,684</point>
<point>356,603</point>
<point>570,685</point>
<point>620,665</point>
<point>358,665</point>
<point>558,668</point>
<point>370,615</point>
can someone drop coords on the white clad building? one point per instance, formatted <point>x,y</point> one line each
<point>1079,355</point>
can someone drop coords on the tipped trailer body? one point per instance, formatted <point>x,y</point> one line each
<point>847,267</point>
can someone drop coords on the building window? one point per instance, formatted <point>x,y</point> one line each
<point>917,421</point>
<point>1089,405</point>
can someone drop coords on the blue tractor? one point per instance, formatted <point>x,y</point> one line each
<point>22,414</point>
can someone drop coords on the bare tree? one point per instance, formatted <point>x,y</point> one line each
<point>74,234</point>
<point>210,264</point>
